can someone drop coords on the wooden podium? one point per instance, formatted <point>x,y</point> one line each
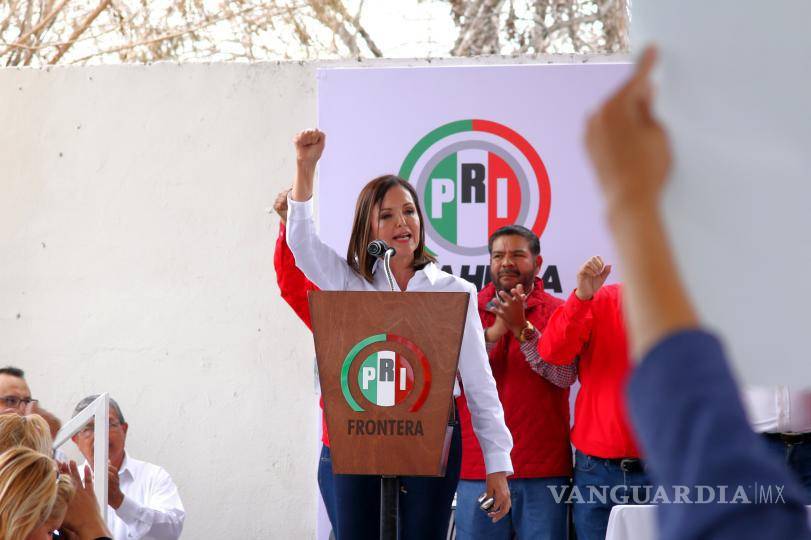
<point>387,362</point>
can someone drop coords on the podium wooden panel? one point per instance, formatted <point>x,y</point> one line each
<point>424,331</point>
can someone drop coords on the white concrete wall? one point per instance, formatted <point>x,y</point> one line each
<point>136,258</point>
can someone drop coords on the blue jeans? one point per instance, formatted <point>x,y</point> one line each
<point>534,514</point>
<point>797,457</point>
<point>326,484</point>
<point>594,476</point>
<point>425,502</point>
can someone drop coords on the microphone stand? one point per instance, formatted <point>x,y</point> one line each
<point>387,269</point>
<point>389,508</point>
<point>389,485</point>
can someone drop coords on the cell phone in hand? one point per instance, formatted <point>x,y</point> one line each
<point>486,502</point>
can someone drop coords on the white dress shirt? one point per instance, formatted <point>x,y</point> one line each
<point>778,409</point>
<point>152,509</point>
<point>330,272</point>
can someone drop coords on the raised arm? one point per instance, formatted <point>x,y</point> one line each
<point>683,399</point>
<point>293,284</point>
<point>309,147</point>
<point>314,258</point>
<point>569,327</point>
<point>562,376</point>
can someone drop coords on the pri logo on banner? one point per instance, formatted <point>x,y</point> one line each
<point>386,378</point>
<point>473,177</point>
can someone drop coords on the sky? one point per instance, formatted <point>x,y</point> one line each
<point>408,28</point>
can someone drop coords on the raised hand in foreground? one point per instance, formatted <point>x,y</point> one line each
<point>83,519</point>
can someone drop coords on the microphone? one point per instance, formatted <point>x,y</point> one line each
<point>379,248</point>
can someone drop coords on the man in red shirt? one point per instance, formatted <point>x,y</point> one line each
<point>535,395</point>
<point>589,331</point>
<point>294,286</point>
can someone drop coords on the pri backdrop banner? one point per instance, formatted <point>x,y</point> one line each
<point>484,147</point>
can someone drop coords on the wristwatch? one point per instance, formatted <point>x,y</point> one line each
<point>527,332</point>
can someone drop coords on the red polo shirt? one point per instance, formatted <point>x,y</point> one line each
<point>594,331</point>
<point>535,411</point>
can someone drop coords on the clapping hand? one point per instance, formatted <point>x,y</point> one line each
<point>114,495</point>
<point>510,309</point>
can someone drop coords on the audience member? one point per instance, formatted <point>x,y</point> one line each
<point>30,431</point>
<point>782,415</point>
<point>683,399</point>
<point>29,488</point>
<point>514,308</point>
<point>15,396</point>
<point>144,501</point>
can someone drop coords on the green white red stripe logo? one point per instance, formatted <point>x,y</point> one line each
<point>386,378</point>
<point>482,174</point>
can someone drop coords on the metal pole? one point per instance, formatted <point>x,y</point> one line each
<point>389,508</point>
<point>101,453</point>
<point>99,412</point>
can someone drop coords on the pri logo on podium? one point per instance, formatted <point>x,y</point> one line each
<point>386,378</point>
<point>473,177</point>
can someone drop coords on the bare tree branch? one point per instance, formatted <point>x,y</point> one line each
<point>43,32</point>
<point>80,30</point>
<point>164,37</point>
<point>479,33</point>
<point>40,25</point>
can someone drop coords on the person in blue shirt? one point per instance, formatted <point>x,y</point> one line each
<point>682,397</point>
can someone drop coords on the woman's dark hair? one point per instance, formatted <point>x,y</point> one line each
<point>371,196</point>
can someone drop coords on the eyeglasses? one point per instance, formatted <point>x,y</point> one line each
<point>88,430</point>
<point>14,402</point>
